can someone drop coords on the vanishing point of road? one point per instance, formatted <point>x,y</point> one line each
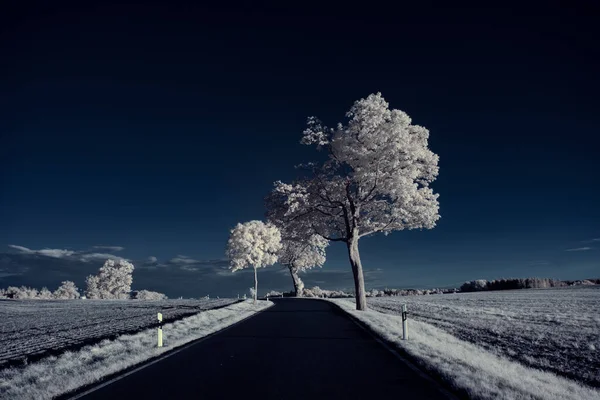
<point>296,349</point>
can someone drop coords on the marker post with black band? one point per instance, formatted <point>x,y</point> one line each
<point>404,322</point>
<point>160,324</point>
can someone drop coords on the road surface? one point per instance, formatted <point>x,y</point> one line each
<point>297,349</point>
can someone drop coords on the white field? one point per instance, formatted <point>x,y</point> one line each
<point>556,330</point>
<point>31,329</point>
<point>522,344</point>
<point>57,375</point>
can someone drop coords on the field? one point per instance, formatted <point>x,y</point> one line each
<point>32,329</point>
<point>555,330</point>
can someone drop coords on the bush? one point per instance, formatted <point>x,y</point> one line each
<point>318,292</point>
<point>149,295</point>
<point>274,293</point>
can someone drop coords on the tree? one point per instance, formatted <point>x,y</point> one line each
<point>301,248</point>
<point>24,292</point>
<point>92,291</point>
<point>45,294</point>
<point>255,244</point>
<point>300,254</point>
<point>375,180</point>
<point>66,291</point>
<point>112,282</point>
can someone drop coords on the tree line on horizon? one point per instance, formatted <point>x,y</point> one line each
<point>479,285</point>
<point>113,282</point>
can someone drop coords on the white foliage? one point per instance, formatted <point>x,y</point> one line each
<point>376,178</point>
<point>303,253</point>
<point>112,282</point>
<point>45,294</point>
<point>22,293</point>
<point>149,295</point>
<point>92,291</point>
<point>67,290</point>
<point>253,243</point>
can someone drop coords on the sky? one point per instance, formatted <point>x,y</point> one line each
<point>148,131</point>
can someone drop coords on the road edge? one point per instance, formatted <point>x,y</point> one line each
<point>110,379</point>
<point>441,384</point>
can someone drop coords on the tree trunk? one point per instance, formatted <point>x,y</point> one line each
<point>298,284</point>
<point>255,286</point>
<point>357,271</point>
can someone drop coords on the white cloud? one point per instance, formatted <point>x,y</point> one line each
<point>152,259</point>
<point>183,260</point>
<point>22,249</point>
<point>99,256</point>
<point>109,248</point>
<point>579,249</point>
<point>55,253</point>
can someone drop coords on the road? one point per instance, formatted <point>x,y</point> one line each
<point>297,349</point>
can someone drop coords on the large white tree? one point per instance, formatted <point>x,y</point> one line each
<point>255,244</point>
<point>112,282</point>
<point>375,179</point>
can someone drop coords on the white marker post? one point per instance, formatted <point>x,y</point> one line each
<point>404,322</point>
<point>160,330</point>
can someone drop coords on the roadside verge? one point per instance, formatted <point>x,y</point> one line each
<point>468,369</point>
<point>65,373</point>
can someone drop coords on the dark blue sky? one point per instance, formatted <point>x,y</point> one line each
<point>156,128</point>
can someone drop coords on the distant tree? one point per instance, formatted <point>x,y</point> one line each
<point>149,295</point>
<point>22,293</point>
<point>323,293</point>
<point>300,253</point>
<point>274,293</point>
<point>45,294</point>
<point>474,286</point>
<point>11,292</point>
<point>92,291</point>
<point>112,282</point>
<point>301,248</point>
<point>375,180</point>
<point>66,291</point>
<point>255,244</point>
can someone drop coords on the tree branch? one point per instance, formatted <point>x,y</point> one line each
<point>379,229</point>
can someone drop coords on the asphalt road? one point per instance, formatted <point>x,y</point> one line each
<point>297,349</point>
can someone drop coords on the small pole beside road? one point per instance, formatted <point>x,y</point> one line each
<point>404,322</point>
<point>160,344</point>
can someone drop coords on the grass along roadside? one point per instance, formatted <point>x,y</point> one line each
<point>57,375</point>
<point>467,367</point>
